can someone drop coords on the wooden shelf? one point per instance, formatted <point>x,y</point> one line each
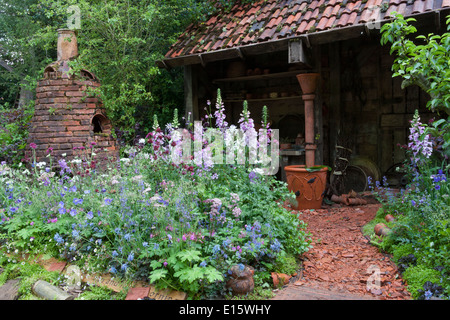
<point>292,152</point>
<point>262,99</point>
<point>269,76</point>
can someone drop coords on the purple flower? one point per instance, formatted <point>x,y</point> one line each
<point>77,201</point>
<point>130,257</point>
<point>252,176</point>
<point>33,145</point>
<point>63,165</point>
<point>420,143</point>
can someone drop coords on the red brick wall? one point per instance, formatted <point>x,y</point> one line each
<point>63,120</point>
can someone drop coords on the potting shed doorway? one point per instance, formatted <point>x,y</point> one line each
<point>254,52</point>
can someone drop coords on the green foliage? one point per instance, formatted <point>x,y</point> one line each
<point>13,133</point>
<point>28,274</point>
<point>287,264</point>
<point>416,276</point>
<point>181,226</point>
<point>425,63</point>
<point>402,250</point>
<point>119,41</point>
<point>101,293</point>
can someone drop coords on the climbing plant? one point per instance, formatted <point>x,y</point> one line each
<point>423,61</point>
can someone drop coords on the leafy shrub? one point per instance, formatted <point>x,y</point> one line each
<point>14,124</point>
<point>401,251</point>
<point>181,226</point>
<point>417,276</point>
<point>430,290</point>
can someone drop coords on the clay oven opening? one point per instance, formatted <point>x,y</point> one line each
<point>87,75</point>
<point>100,124</point>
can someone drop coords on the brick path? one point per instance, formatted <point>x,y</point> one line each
<point>338,266</point>
<point>293,292</point>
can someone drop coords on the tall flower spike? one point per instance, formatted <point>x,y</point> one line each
<point>175,123</point>
<point>265,117</point>
<point>155,122</point>
<point>219,113</point>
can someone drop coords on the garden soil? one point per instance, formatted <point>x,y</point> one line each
<point>342,264</point>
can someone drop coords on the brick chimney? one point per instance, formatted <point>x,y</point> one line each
<point>67,118</point>
<point>67,47</point>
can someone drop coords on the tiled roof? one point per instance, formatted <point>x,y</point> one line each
<point>268,20</point>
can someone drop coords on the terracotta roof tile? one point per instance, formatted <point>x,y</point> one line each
<point>268,20</point>
<point>302,27</point>
<point>353,18</point>
<point>268,34</point>
<point>330,22</point>
<point>429,5</point>
<point>336,9</point>
<point>418,6</point>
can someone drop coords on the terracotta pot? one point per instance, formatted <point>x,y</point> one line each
<point>280,279</point>
<point>377,229</point>
<point>356,201</point>
<point>308,186</point>
<point>284,146</point>
<point>67,46</point>
<point>340,199</point>
<point>389,218</point>
<point>385,231</point>
<point>308,82</point>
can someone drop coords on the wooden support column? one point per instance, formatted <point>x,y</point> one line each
<point>335,108</point>
<point>190,92</point>
<point>318,116</point>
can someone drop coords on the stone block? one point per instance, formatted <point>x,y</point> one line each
<point>57,266</point>
<point>10,290</point>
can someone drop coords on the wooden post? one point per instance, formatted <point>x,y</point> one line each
<point>318,115</point>
<point>335,95</point>
<point>190,93</point>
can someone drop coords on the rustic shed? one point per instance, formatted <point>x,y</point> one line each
<point>254,51</point>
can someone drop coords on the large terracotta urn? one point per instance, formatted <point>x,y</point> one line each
<point>307,185</point>
<point>308,82</point>
<point>308,181</point>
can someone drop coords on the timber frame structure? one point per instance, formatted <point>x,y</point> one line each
<point>269,42</point>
